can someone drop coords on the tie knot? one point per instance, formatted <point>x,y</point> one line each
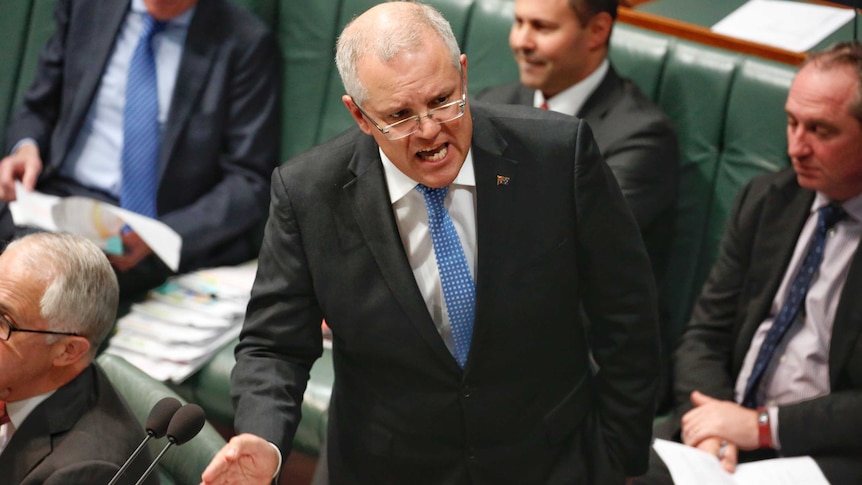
<point>831,215</point>
<point>151,27</point>
<point>433,195</point>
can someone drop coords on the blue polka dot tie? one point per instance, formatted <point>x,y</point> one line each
<point>459,291</point>
<point>828,216</point>
<point>141,127</point>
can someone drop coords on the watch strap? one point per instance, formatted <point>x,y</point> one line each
<point>764,431</point>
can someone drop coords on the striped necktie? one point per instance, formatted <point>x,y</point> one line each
<point>141,141</point>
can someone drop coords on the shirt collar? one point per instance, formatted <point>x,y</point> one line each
<point>183,19</point>
<point>19,410</point>
<point>570,100</point>
<point>852,206</point>
<point>400,184</point>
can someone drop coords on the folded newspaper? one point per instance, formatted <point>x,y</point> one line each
<point>98,221</point>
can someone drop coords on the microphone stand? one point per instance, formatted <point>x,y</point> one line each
<point>130,460</point>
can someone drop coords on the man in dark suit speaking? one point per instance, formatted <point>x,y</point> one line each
<point>452,249</point>
<point>61,421</point>
<point>168,108</point>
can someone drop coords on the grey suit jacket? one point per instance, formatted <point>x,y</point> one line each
<point>637,141</point>
<point>527,408</point>
<point>220,141</point>
<point>82,434</point>
<point>754,254</point>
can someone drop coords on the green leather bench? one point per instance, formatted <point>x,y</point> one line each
<point>181,465</point>
<point>727,108</point>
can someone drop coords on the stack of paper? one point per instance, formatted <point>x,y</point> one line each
<point>184,322</point>
<point>794,26</point>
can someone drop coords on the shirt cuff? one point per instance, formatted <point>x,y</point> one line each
<point>22,142</point>
<point>278,468</point>
<point>773,426</point>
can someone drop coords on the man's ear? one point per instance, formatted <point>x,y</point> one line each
<point>599,28</point>
<point>70,350</point>
<point>360,120</point>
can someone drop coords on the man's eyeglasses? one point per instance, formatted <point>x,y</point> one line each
<point>7,327</point>
<point>406,127</point>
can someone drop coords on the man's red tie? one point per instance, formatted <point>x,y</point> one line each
<point>544,105</point>
<point>4,417</point>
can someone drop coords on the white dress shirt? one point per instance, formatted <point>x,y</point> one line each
<point>18,412</point>
<point>570,100</point>
<point>411,216</point>
<point>95,157</point>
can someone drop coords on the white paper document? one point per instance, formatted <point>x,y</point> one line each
<point>98,221</point>
<point>185,322</point>
<point>688,465</point>
<point>792,26</point>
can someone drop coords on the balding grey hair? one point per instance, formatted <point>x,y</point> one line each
<point>385,42</point>
<point>843,54</point>
<point>81,292</point>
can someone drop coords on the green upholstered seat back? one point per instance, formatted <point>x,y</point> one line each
<point>181,465</point>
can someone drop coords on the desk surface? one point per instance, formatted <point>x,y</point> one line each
<point>692,19</point>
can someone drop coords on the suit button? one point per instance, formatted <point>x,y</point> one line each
<point>471,454</point>
<point>466,391</point>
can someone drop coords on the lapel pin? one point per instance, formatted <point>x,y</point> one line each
<point>502,180</point>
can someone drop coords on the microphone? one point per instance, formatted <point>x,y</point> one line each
<point>185,425</point>
<point>157,425</point>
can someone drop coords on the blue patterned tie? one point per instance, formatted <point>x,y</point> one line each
<point>141,127</point>
<point>459,291</point>
<point>828,216</point>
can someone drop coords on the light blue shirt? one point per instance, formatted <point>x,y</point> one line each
<point>96,157</point>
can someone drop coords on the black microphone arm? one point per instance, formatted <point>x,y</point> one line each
<point>185,425</point>
<point>157,425</point>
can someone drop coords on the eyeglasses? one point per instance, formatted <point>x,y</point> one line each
<point>7,327</point>
<point>406,127</point>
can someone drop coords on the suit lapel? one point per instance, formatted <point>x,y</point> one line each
<point>603,98</point>
<point>100,45</point>
<point>33,441</point>
<point>369,197</point>
<point>848,320</point>
<point>524,95</point>
<point>199,53</point>
<point>496,191</point>
<point>784,214</point>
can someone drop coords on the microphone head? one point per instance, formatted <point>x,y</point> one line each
<point>186,423</point>
<point>160,416</point>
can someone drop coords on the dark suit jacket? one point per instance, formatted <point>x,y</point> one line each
<point>220,141</point>
<point>527,408</point>
<point>755,251</point>
<point>637,141</point>
<point>82,434</point>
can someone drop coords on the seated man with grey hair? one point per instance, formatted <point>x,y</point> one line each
<point>61,421</point>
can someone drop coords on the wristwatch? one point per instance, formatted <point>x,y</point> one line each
<point>763,429</point>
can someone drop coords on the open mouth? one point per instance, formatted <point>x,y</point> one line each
<point>433,154</point>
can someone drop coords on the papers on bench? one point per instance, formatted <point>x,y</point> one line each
<point>185,322</point>
<point>794,26</point>
<point>690,465</point>
<point>97,221</point>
